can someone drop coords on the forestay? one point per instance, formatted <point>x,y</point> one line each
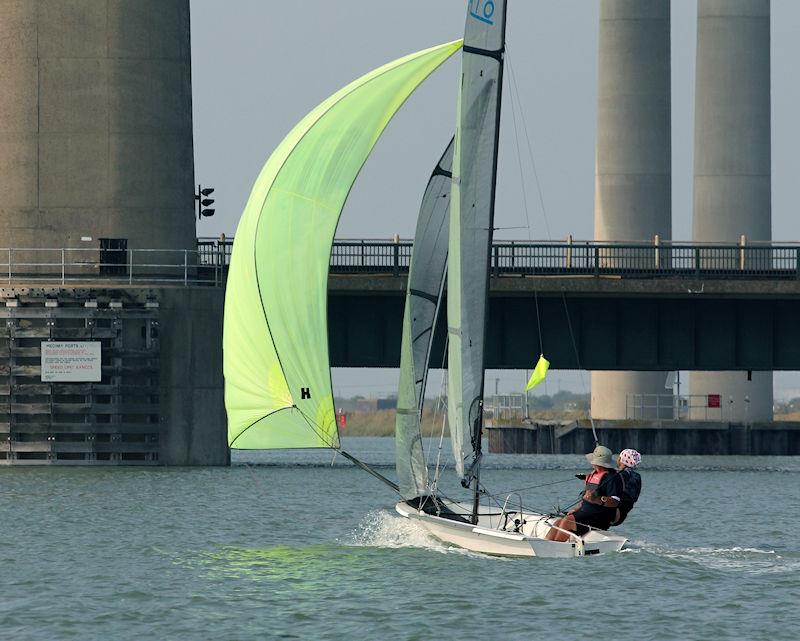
<point>277,376</point>
<point>471,222</point>
<point>423,296</point>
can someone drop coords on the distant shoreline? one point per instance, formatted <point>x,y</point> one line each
<point>381,422</point>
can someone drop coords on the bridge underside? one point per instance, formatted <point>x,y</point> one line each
<point>589,323</point>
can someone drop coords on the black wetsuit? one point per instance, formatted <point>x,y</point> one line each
<point>598,516</point>
<point>631,488</point>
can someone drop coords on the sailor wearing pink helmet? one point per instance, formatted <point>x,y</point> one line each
<point>631,483</point>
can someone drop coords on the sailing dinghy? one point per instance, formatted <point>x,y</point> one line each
<point>278,391</point>
<point>471,159</point>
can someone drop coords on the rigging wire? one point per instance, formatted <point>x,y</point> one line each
<point>515,93</point>
<point>535,487</point>
<point>522,506</point>
<point>440,403</point>
<point>316,428</point>
<point>439,467</point>
<point>525,197</point>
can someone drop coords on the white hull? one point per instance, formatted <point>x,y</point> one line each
<point>496,533</point>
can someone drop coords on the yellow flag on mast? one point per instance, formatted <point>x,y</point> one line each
<point>539,372</point>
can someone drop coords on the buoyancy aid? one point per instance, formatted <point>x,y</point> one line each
<point>600,483</point>
<point>594,480</point>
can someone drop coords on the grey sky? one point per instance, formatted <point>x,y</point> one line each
<point>259,66</point>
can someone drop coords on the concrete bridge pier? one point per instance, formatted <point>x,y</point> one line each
<point>633,177</point>
<point>96,170</point>
<point>732,191</point>
<point>615,393</point>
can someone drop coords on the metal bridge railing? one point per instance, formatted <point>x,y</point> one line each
<point>691,407</point>
<point>215,252</point>
<point>117,266</point>
<point>654,259</point>
<point>371,256</point>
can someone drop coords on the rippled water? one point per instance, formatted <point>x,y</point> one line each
<point>288,547</point>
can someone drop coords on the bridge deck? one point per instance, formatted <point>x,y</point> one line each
<point>614,323</point>
<point>602,305</point>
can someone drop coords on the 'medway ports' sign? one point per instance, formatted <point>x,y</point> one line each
<point>77,362</point>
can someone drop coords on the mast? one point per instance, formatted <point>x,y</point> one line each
<point>471,226</point>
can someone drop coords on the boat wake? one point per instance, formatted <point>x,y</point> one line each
<point>383,529</point>
<point>749,560</point>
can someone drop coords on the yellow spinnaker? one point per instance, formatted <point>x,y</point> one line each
<point>275,340</point>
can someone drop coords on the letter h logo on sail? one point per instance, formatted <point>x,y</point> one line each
<point>305,392</point>
<point>482,10</point>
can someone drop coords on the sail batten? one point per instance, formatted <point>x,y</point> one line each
<point>423,295</point>
<point>277,376</point>
<point>471,225</point>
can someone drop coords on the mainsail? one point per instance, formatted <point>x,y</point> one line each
<point>471,223</point>
<point>277,376</point>
<point>423,295</point>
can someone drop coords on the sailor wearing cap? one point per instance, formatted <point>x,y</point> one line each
<point>601,496</point>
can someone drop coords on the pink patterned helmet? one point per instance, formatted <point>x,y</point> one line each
<point>630,458</point>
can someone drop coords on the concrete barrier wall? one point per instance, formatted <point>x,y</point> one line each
<point>767,439</point>
<point>192,384</point>
<point>159,399</point>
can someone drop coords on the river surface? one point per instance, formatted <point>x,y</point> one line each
<point>284,545</point>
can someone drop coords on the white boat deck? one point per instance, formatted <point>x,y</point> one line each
<point>509,532</point>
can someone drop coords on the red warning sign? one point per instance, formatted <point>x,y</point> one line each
<point>713,400</point>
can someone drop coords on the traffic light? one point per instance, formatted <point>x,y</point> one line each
<point>203,201</point>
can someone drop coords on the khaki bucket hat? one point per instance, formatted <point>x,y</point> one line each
<point>601,456</point>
